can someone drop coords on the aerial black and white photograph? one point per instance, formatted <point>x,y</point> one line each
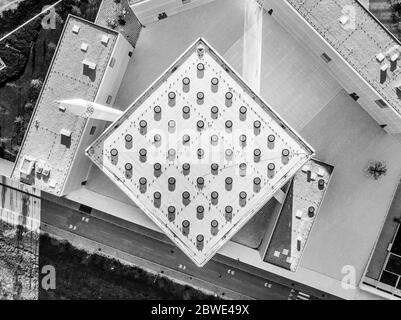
<point>200,156</point>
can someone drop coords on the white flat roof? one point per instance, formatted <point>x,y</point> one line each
<point>358,44</point>
<point>65,79</point>
<point>199,113</point>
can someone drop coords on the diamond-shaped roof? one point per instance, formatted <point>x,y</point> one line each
<point>199,152</point>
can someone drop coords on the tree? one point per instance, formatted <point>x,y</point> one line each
<point>112,23</point>
<point>121,19</point>
<point>36,83</point>
<point>395,6</point>
<point>28,106</point>
<point>377,169</point>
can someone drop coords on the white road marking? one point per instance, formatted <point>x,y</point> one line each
<point>304,294</point>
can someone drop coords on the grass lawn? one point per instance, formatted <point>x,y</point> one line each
<point>80,275</point>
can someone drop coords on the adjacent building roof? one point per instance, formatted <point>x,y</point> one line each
<point>359,38</point>
<point>199,152</point>
<point>53,134</point>
<point>298,214</point>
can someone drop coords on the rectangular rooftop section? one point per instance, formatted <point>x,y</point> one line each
<point>53,136</point>
<point>298,214</point>
<point>359,39</point>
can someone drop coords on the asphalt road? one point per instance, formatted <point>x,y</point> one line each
<point>157,248</point>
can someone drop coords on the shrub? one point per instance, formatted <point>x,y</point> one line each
<point>377,169</point>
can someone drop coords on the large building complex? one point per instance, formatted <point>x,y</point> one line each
<point>215,160</point>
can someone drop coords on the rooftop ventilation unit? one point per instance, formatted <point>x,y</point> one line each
<point>84,47</point>
<point>105,40</point>
<point>65,137</point>
<point>39,167</point>
<point>380,57</point>
<point>66,133</point>
<point>52,183</point>
<point>305,169</point>
<point>27,166</point>
<point>46,172</point>
<point>344,20</point>
<point>395,57</point>
<point>76,29</point>
<point>90,65</point>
